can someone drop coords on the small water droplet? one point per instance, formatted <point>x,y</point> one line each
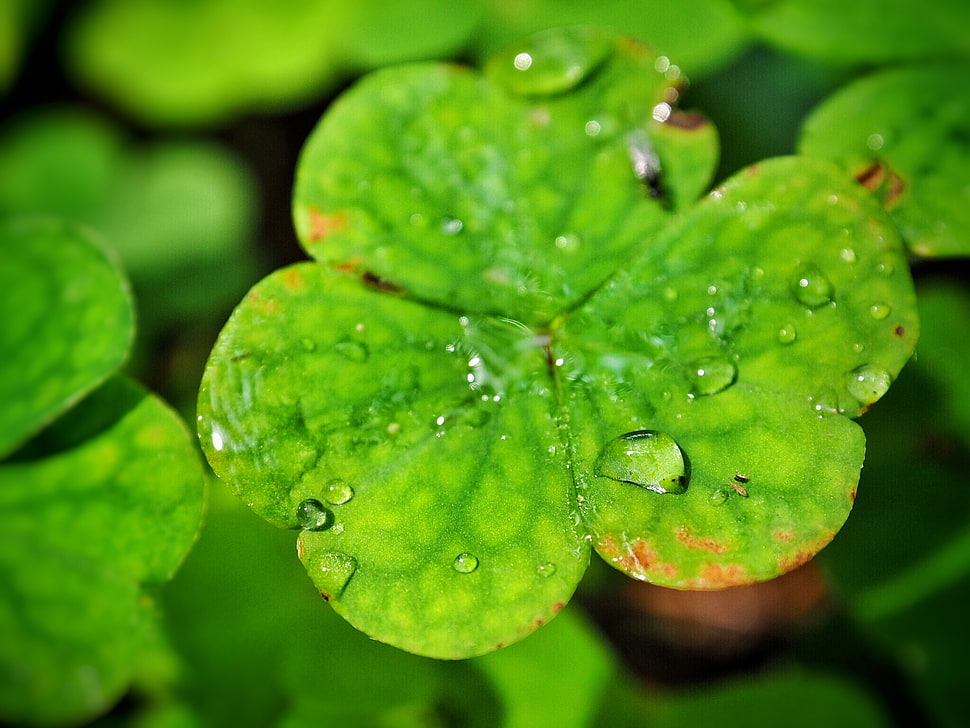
<point>647,458</point>
<point>848,255</point>
<point>451,226</point>
<point>311,515</point>
<point>868,383</point>
<point>879,311</point>
<point>885,266</point>
<point>718,497</point>
<point>553,61</point>
<point>547,569</point>
<point>711,374</point>
<point>875,142</point>
<point>593,128</point>
<point>465,563</point>
<point>812,288</point>
<point>825,403</point>
<point>337,492</point>
<point>787,334</point>
<point>308,344</point>
<point>355,351</point>
<point>330,572</point>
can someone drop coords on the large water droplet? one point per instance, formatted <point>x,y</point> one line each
<point>312,515</point>
<point>465,563</point>
<point>647,458</point>
<point>355,351</point>
<point>868,383</point>
<point>330,572</point>
<point>337,492</point>
<point>711,374</point>
<point>812,287</point>
<point>553,61</point>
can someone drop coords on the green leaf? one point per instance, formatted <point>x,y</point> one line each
<point>456,405</point>
<point>905,134</point>
<point>59,288</point>
<point>748,329</point>
<point>179,213</point>
<point>697,34</point>
<point>512,193</point>
<point>98,509</point>
<point>233,57</point>
<point>866,32</point>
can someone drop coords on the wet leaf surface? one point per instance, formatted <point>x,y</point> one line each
<point>59,287</point>
<point>905,135</point>
<point>456,405</point>
<point>97,510</point>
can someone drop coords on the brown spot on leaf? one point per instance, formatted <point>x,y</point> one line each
<point>882,180</point>
<point>326,597</point>
<point>382,284</point>
<point>688,120</point>
<point>557,606</point>
<point>804,555</point>
<point>293,280</point>
<point>706,544</point>
<point>721,576</point>
<point>641,560</point>
<point>899,331</point>
<point>852,494</point>
<point>783,535</point>
<point>322,225</point>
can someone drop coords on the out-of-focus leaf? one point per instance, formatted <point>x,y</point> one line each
<point>866,31</point>
<point>207,62</point>
<point>795,699</point>
<point>558,677</point>
<point>96,511</point>
<point>699,35</point>
<point>905,134</point>
<point>67,323</point>
<point>181,214</point>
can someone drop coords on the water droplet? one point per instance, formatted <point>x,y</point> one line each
<point>355,351</point>
<point>711,374</point>
<point>465,563</point>
<point>875,142</point>
<point>547,569</point>
<point>825,403</point>
<point>718,497</point>
<point>647,458</point>
<point>308,344</point>
<point>868,383</point>
<point>786,334</point>
<point>337,492</point>
<point>812,288</point>
<point>451,226</point>
<point>311,515</point>
<point>593,128</point>
<point>553,61</point>
<point>879,311</point>
<point>330,572</point>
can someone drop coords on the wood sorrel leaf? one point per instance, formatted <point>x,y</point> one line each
<point>59,288</point>
<point>747,330</point>
<point>96,511</point>
<point>509,347</point>
<point>905,134</point>
<point>512,193</point>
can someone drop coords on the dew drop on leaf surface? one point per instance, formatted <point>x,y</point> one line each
<point>812,287</point>
<point>868,383</point>
<point>647,458</point>
<point>465,563</point>
<point>337,492</point>
<point>711,374</point>
<point>313,516</point>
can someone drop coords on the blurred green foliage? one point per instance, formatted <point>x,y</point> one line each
<point>243,638</point>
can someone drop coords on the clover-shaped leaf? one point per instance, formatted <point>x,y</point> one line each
<point>903,133</point>
<point>520,338</point>
<point>58,286</point>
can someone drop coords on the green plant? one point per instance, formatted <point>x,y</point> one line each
<point>101,513</point>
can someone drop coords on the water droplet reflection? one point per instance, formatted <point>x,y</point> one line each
<point>647,458</point>
<point>812,287</point>
<point>465,563</point>
<point>311,515</point>
<point>868,383</point>
<point>711,374</point>
<point>337,492</point>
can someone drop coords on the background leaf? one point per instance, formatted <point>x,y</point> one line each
<point>59,287</point>
<point>97,510</point>
<point>904,133</point>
